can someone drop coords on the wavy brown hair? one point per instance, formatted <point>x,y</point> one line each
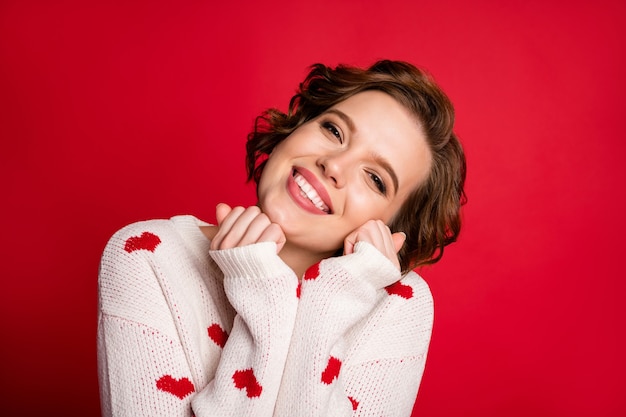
<point>431,215</point>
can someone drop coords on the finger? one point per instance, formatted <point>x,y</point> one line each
<point>365,233</point>
<point>349,242</point>
<point>374,232</point>
<point>274,233</point>
<point>238,223</point>
<point>392,242</point>
<point>378,234</point>
<point>225,225</point>
<point>398,240</point>
<point>221,211</point>
<point>254,229</point>
<point>384,237</point>
<point>230,217</point>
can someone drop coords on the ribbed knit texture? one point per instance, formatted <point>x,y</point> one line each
<point>185,331</point>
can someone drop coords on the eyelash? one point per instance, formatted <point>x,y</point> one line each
<point>376,180</point>
<point>333,130</point>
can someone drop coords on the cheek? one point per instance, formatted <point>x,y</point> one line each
<point>365,205</point>
<point>386,210</point>
<point>270,173</point>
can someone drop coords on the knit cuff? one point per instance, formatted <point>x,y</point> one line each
<point>369,263</point>
<point>255,261</point>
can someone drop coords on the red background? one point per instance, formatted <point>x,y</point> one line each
<point>115,113</point>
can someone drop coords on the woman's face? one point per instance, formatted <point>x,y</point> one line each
<point>358,161</point>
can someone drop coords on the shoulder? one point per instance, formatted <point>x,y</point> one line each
<point>131,248</point>
<point>140,235</point>
<point>150,235</point>
<point>419,287</point>
<point>149,260</point>
<point>142,247</point>
<point>411,308</point>
<point>401,324</point>
<point>412,297</point>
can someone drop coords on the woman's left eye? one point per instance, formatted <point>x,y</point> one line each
<point>333,130</point>
<point>378,182</point>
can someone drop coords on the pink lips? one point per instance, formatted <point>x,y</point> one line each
<point>304,202</point>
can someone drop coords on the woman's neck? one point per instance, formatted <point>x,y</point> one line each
<point>299,259</point>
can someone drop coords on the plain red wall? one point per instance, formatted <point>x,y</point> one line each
<point>115,113</point>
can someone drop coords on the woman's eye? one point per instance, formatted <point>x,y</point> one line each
<point>333,130</point>
<point>378,182</point>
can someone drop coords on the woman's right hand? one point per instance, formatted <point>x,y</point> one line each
<point>239,226</point>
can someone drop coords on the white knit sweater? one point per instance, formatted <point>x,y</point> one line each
<point>187,331</point>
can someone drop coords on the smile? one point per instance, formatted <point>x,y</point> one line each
<point>306,194</point>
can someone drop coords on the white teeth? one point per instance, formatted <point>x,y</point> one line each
<point>309,192</point>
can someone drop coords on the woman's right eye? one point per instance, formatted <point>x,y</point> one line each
<point>333,130</point>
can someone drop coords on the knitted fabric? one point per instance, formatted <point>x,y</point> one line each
<point>183,330</point>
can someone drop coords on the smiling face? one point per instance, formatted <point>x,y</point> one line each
<point>357,161</point>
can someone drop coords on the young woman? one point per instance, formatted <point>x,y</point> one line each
<point>305,304</point>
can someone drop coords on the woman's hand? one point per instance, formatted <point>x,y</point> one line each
<point>241,226</point>
<point>377,233</point>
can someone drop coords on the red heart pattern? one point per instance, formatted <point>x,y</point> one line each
<point>218,335</point>
<point>355,403</point>
<point>399,289</point>
<point>332,370</point>
<point>178,387</point>
<point>313,272</point>
<point>147,241</point>
<point>246,379</point>
<point>299,290</point>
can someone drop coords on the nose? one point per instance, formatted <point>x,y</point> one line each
<point>334,167</point>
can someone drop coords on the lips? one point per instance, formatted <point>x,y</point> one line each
<point>308,192</point>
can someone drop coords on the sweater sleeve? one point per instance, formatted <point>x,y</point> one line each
<point>262,289</point>
<point>142,366</point>
<point>153,324</point>
<point>360,339</point>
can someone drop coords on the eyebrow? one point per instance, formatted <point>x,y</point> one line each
<point>387,167</point>
<point>379,159</point>
<point>343,117</point>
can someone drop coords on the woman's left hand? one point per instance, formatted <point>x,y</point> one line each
<point>378,234</point>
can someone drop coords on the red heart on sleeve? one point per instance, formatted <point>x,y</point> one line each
<point>178,387</point>
<point>246,380</point>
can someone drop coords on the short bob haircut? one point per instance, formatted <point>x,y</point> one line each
<point>430,216</point>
